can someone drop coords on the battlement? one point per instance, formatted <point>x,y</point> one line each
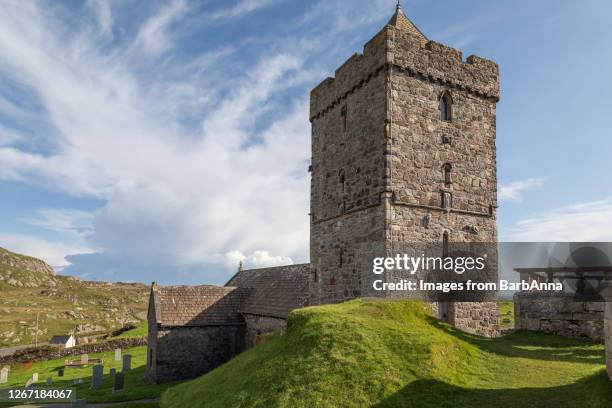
<point>429,60</point>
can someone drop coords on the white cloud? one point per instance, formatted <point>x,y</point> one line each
<point>103,13</point>
<point>52,252</point>
<point>154,35</point>
<point>585,222</point>
<point>69,221</point>
<point>514,190</point>
<point>242,8</point>
<point>173,197</point>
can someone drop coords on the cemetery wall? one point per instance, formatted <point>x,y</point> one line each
<point>559,314</point>
<point>50,352</point>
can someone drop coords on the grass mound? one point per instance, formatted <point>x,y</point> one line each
<point>390,353</point>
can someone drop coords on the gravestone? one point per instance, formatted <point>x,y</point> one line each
<point>127,363</point>
<point>4,375</point>
<point>77,381</point>
<point>118,354</point>
<point>35,377</point>
<point>60,372</point>
<point>80,403</point>
<point>49,381</point>
<point>97,376</point>
<point>28,383</point>
<point>112,372</point>
<point>84,359</point>
<point>119,383</point>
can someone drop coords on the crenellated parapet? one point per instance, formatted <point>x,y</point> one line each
<point>402,50</point>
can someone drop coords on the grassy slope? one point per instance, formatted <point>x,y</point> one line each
<point>136,387</point>
<point>377,353</point>
<point>506,314</point>
<point>107,305</point>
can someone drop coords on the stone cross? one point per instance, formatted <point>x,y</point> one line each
<point>35,377</point>
<point>112,372</point>
<point>127,363</point>
<point>97,376</point>
<point>49,381</point>
<point>4,375</point>
<point>118,354</point>
<point>119,382</point>
<point>84,359</point>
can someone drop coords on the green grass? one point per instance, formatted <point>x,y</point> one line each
<point>136,387</point>
<point>506,314</point>
<point>141,330</point>
<point>394,354</point>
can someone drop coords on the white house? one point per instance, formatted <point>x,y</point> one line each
<point>63,341</point>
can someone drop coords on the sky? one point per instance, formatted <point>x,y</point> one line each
<point>169,140</point>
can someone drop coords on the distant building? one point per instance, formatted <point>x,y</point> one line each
<point>63,341</point>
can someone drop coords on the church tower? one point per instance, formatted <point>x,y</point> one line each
<point>403,150</point>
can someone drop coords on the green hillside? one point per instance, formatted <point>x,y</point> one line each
<point>384,353</point>
<point>29,287</point>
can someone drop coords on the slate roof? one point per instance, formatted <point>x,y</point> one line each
<point>275,292</point>
<point>401,22</point>
<point>59,339</point>
<point>198,305</point>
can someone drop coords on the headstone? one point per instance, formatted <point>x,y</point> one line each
<point>35,377</point>
<point>127,363</point>
<point>97,376</point>
<point>60,372</point>
<point>119,382</point>
<point>80,403</point>
<point>28,383</point>
<point>77,381</point>
<point>84,359</point>
<point>4,375</point>
<point>118,354</point>
<point>112,372</point>
<point>49,381</point>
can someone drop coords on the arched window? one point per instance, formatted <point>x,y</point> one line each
<point>446,107</point>
<point>448,168</point>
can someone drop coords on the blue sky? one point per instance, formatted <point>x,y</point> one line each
<point>166,141</point>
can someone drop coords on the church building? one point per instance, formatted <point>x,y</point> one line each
<point>403,150</point>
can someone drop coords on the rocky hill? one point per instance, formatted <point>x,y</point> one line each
<point>63,304</point>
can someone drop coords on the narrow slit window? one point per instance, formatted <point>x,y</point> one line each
<point>446,107</point>
<point>344,120</point>
<point>448,178</point>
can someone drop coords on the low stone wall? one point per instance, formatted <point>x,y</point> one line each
<point>559,314</point>
<point>180,353</point>
<point>51,352</point>
<point>608,337</point>
<point>481,318</point>
<point>259,326</point>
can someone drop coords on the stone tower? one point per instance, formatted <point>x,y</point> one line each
<point>403,150</point>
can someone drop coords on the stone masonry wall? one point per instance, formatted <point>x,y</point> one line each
<point>259,326</point>
<point>608,336</point>
<point>380,176</point>
<point>188,352</point>
<point>559,314</point>
<point>348,143</point>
